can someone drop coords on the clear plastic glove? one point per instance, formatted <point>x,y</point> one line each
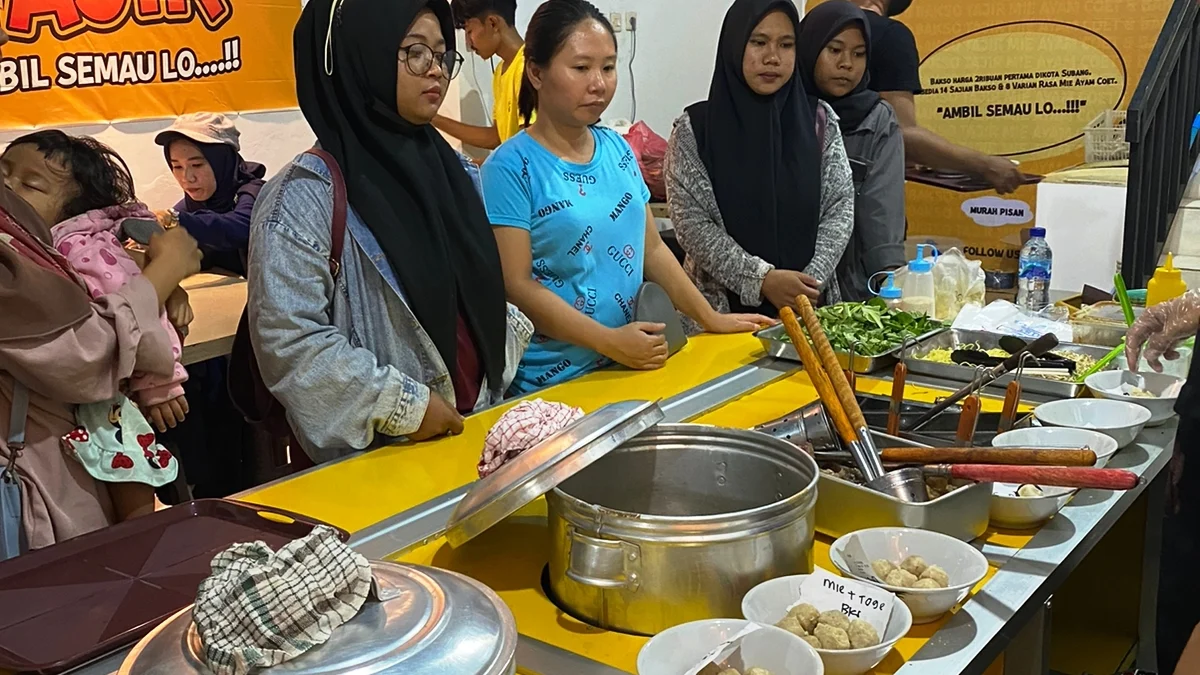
<point>1160,328</point>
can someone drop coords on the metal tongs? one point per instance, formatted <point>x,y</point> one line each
<point>1037,348</point>
<point>833,386</point>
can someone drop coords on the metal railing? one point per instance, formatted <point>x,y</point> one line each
<point>1158,128</point>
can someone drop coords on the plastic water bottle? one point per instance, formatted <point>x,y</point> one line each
<point>1033,279</point>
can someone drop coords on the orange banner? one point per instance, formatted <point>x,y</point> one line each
<point>73,61</point>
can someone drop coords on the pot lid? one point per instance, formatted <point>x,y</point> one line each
<point>543,467</point>
<point>427,622</point>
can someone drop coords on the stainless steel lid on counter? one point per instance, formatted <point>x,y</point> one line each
<point>427,622</point>
<point>541,468</point>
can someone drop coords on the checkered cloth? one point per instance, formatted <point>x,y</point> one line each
<point>521,428</point>
<point>261,608</point>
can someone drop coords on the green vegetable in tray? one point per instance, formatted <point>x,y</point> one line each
<point>872,325</point>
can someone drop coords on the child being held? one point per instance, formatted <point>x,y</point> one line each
<point>85,187</point>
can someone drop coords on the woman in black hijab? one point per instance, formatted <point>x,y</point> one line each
<point>410,329</point>
<point>835,43</point>
<point>758,184</point>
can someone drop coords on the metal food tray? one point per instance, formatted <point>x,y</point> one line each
<point>953,338</point>
<point>844,507</point>
<point>772,340</point>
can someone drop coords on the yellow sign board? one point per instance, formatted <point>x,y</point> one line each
<point>1019,80</point>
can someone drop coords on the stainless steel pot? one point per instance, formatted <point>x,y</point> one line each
<point>678,524</point>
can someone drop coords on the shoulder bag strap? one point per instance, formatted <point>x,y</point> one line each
<point>16,423</point>
<point>338,225</point>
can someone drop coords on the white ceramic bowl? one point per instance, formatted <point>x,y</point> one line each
<point>963,564</point>
<point>1106,384</point>
<point>768,603</point>
<point>1059,437</point>
<point>1022,513</point>
<point>1118,419</point>
<point>675,650</point>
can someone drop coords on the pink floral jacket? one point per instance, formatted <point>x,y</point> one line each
<point>90,243</point>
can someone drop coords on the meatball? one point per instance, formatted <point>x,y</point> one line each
<point>862,634</point>
<point>882,568</point>
<point>832,637</point>
<point>1029,491</point>
<point>807,615</point>
<point>833,618</point>
<point>901,578</point>
<point>914,565</point>
<point>758,671</point>
<point>813,641</point>
<point>792,625</point>
<point>938,575</point>
<point>926,584</point>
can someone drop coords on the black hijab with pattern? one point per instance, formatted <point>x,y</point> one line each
<point>402,179</point>
<point>762,152</point>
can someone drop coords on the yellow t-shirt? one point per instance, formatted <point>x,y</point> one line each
<point>506,89</point>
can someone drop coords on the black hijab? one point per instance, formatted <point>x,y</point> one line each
<point>819,26</point>
<point>234,176</point>
<point>402,179</point>
<point>761,152</point>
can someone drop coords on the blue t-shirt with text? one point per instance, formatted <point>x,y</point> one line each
<point>587,228</point>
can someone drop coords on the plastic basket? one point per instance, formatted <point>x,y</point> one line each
<point>1104,138</point>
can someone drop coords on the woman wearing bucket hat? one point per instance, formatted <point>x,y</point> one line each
<point>214,444</point>
<point>219,187</point>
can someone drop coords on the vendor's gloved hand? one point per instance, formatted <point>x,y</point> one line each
<point>1160,328</point>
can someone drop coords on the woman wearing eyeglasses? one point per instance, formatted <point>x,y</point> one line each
<point>411,330</point>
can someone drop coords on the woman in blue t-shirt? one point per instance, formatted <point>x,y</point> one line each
<point>568,206</point>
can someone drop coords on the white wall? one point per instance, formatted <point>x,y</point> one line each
<point>676,50</point>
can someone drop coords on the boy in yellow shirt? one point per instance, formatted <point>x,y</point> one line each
<point>490,32</point>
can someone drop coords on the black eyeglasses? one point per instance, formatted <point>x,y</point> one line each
<point>419,60</point>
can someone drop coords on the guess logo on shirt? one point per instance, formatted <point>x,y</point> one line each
<point>542,271</point>
<point>626,160</point>
<point>581,179</point>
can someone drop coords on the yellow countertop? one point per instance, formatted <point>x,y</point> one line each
<point>511,556</point>
<point>366,489</point>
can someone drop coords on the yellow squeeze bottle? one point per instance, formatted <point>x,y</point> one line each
<point>1167,283</point>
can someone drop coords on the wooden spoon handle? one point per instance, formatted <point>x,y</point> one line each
<point>812,365</point>
<point>899,375</point>
<point>1077,477</point>
<point>1004,456</point>
<point>967,419</point>
<point>829,360</point>
<point>1012,399</point>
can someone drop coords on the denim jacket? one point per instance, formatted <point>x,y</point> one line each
<point>346,358</point>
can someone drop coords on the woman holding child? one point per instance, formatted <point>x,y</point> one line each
<point>60,348</point>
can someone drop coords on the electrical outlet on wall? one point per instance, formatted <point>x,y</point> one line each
<point>615,20</point>
<point>631,20</point>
